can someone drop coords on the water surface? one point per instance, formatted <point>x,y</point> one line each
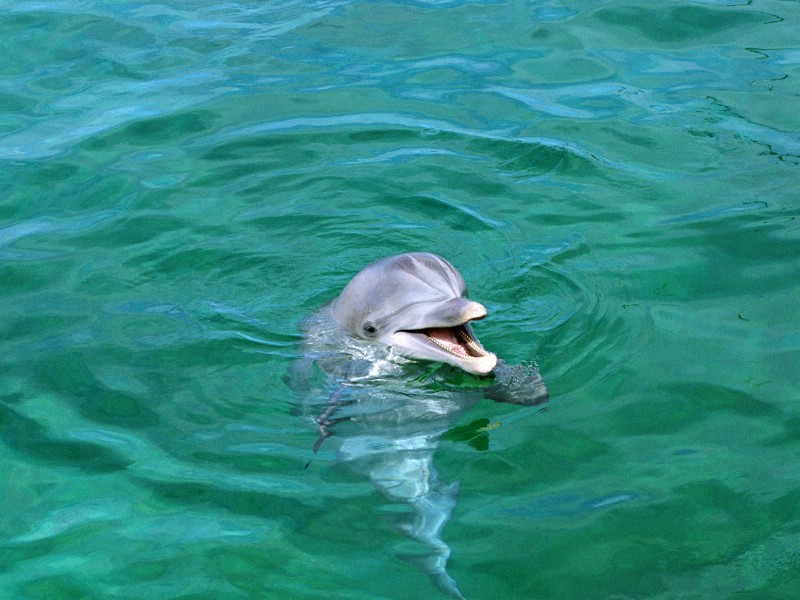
<point>180,186</point>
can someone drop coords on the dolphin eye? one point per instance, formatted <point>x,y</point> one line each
<point>370,330</point>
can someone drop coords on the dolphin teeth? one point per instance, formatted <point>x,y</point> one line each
<point>451,348</point>
<point>470,341</point>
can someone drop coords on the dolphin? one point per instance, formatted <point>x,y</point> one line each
<point>377,370</point>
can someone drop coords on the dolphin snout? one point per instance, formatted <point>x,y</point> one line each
<point>458,311</point>
<point>473,311</point>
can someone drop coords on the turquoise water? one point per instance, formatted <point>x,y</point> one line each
<point>179,187</point>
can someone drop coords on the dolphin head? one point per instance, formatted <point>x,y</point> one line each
<point>416,304</point>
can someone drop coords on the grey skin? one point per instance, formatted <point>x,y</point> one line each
<point>369,374</point>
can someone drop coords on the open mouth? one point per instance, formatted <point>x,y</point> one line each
<point>455,340</point>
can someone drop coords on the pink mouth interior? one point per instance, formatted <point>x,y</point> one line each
<point>453,340</point>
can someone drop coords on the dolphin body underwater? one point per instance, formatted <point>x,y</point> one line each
<point>383,371</point>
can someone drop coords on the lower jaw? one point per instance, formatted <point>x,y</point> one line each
<point>482,365</point>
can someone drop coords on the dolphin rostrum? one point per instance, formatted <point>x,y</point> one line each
<point>369,373</point>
